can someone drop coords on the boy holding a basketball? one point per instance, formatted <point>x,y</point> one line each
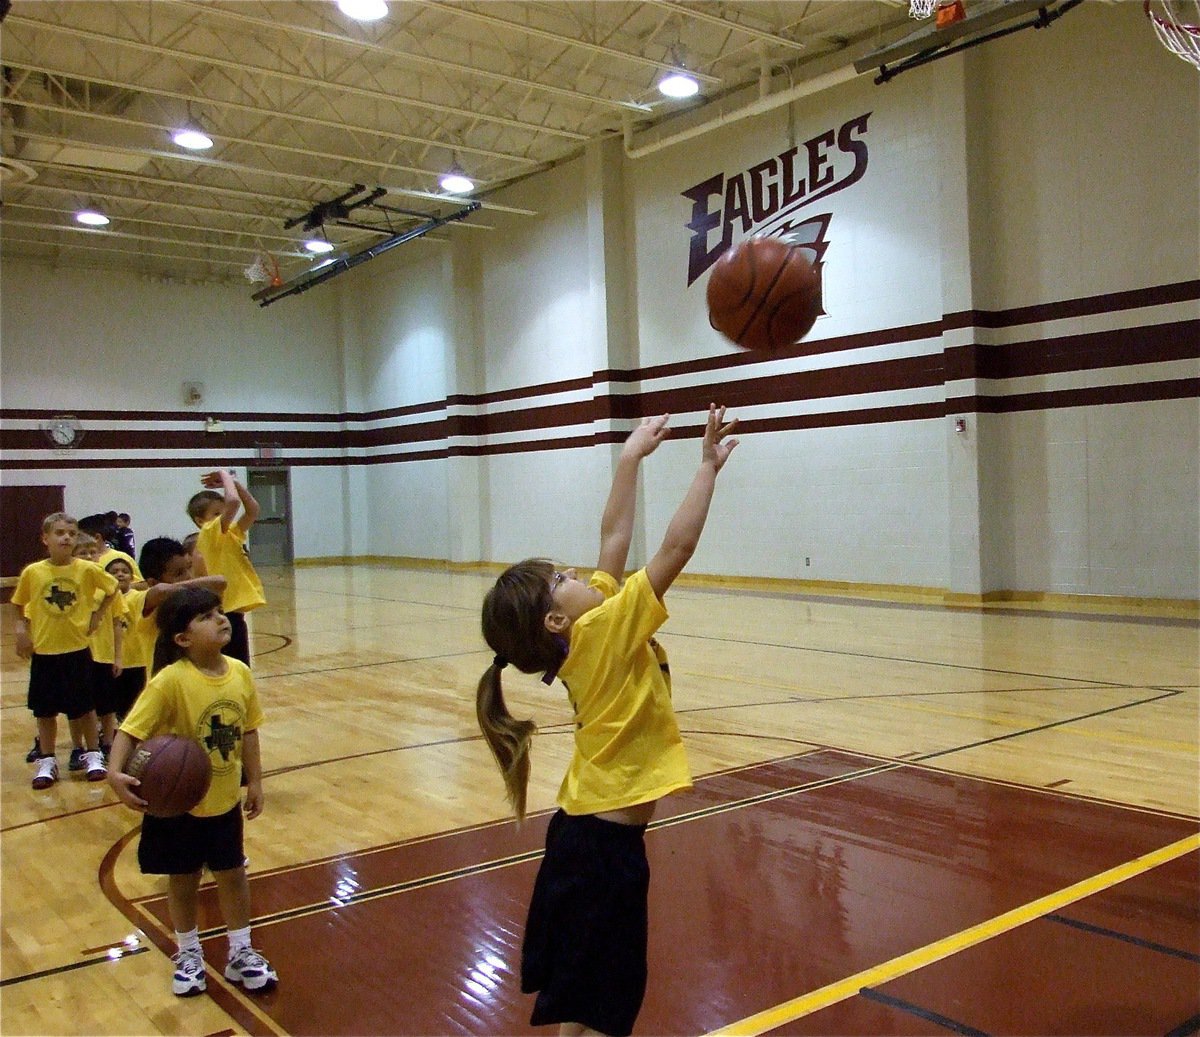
<point>584,950</point>
<point>197,692</point>
<point>60,602</point>
<point>221,549</point>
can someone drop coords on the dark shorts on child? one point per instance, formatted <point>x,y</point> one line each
<point>61,684</point>
<point>239,637</point>
<point>102,687</point>
<point>584,951</point>
<point>185,844</point>
<point>122,691</point>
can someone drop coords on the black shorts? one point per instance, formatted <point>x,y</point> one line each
<point>103,685</point>
<point>185,844</point>
<point>239,638</point>
<point>61,684</point>
<point>126,689</point>
<point>584,951</point>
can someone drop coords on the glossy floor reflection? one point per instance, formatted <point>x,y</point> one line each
<point>768,882</point>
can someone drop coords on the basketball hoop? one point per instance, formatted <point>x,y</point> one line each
<point>264,270</point>
<point>921,8</point>
<point>1177,27</point>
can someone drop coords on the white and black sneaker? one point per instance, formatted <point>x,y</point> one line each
<point>251,969</point>
<point>189,979</point>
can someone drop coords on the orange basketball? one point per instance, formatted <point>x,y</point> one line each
<point>763,294</point>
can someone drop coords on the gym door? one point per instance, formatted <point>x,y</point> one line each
<point>271,535</point>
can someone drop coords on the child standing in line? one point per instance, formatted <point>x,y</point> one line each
<point>168,569</point>
<point>584,951</point>
<point>222,547</point>
<point>197,692</point>
<point>105,647</point>
<point>97,526</point>
<point>60,601</point>
<point>127,684</point>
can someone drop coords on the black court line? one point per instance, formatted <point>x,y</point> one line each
<point>1137,941</point>
<point>901,659</point>
<point>1186,1028</point>
<point>72,967</point>
<point>921,1013</point>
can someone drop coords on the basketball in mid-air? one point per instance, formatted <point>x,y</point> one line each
<point>174,773</point>
<point>763,294</point>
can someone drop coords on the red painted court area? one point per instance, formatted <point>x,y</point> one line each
<point>768,882</point>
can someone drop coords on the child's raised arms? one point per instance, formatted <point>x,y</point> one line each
<point>616,525</point>
<point>683,533</point>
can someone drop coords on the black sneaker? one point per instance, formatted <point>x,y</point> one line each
<point>35,752</point>
<point>75,763</point>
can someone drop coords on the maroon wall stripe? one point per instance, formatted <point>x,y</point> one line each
<point>1158,295</point>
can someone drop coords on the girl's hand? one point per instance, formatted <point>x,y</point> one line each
<point>254,800</point>
<point>644,439</point>
<point>24,644</point>
<point>118,669</point>
<point>716,449</point>
<point>123,785</point>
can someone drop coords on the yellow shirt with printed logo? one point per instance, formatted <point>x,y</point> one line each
<point>58,601</point>
<point>226,555</point>
<point>217,712</point>
<point>627,745</point>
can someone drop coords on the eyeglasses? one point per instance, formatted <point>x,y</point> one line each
<point>556,580</point>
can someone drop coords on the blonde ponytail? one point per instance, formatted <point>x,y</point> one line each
<point>508,738</point>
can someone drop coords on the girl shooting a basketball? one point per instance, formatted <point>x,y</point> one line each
<point>198,693</point>
<point>584,951</point>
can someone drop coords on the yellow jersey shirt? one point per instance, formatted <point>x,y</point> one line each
<point>225,554</point>
<point>58,601</point>
<point>217,712</point>
<point>627,745</point>
<point>134,648</point>
<point>103,642</point>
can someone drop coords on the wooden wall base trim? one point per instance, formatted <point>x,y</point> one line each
<point>1034,601</point>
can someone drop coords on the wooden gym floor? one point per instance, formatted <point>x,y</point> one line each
<point>906,819</point>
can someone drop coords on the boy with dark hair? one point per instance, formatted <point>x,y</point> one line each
<point>167,568</point>
<point>124,534</point>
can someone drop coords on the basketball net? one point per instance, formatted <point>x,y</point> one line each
<point>264,270</point>
<point>921,8</point>
<point>1177,25</point>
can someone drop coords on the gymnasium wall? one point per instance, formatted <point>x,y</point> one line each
<point>1008,240</point>
<point>114,350</point>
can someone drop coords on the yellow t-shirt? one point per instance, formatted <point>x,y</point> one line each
<point>103,642</point>
<point>627,745</point>
<point>133,652</point>
<point>216,711</point>
<point>226,555</point>
<point>58,601</point>
<point>113,553</point>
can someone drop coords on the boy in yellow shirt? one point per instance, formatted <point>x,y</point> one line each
<point>105,647</point>
<point>221,550</point>
<point>56,603</point>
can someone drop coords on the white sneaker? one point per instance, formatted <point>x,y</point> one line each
<point>251,969</point>
<point>46,773</point>
<point>93,763</point>
<point>189,978</point>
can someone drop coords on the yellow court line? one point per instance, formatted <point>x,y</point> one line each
<point>815,1000</point>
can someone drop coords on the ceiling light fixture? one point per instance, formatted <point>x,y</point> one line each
<point>455,180</point>
<point>91,218</point>
<point>318,246</point>
<point>363,10</point>
<point>192,138</point>
<point>678,82</point>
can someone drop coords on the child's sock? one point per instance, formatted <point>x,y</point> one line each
<point>189,941</point>
<point>238,938</point>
